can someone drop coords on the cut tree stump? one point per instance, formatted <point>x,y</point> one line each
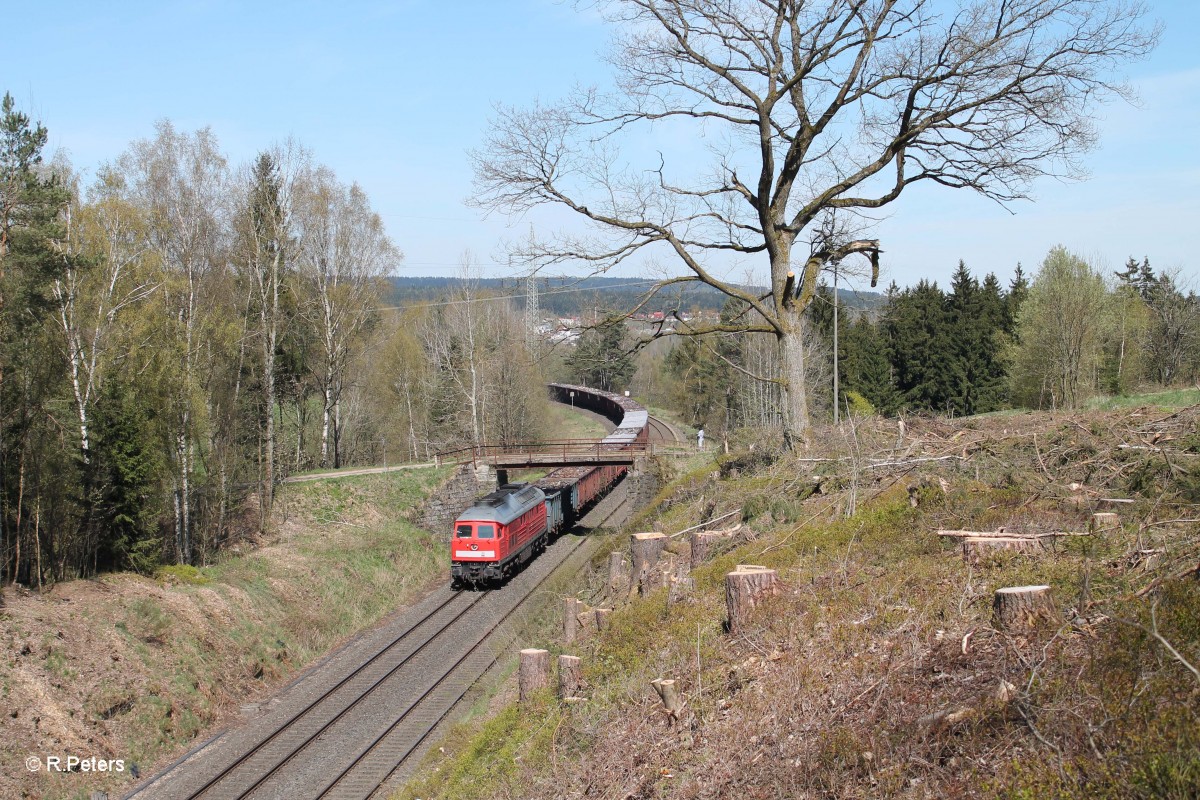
<point>571,608</point>
<point>570,676</point>
<point>1018,607</point>
<point>681,584</point>
<point>977,548</point>
<point>533,674</point>
<point>646,549</point>
<point>703,543</point>
<point>745,588</point>
<point>616,571</point>
<point>939,721</point>
<point>669,694</point>
<point>602,615</point>
<point>1104,521</point>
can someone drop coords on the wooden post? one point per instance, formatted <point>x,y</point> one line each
<point>616,571</point>
<point>1104,521</point>
<point>602,615</point>
<point>570,618</point>
<point>570,676</point>
<point>534,673</point>
<point>1018,607</point>
<point>646,548</point>
<point>669,694</point>
<point>977,548</point>
<point>745,588</point>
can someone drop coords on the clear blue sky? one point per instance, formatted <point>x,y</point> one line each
<point>392,94</point>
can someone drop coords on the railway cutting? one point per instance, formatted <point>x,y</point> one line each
<point>355,724</point>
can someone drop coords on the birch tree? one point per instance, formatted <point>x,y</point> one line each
<point>808,109</point>
<point>105,276</point>
<point>180,182</point>
<point>344,254</point>
<point>1063,325</point>
<point>268,255</point>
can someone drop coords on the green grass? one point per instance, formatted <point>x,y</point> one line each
<point>350,556</point>
<point>1169,399</point>
<point>878,582</point>
<point>564,422</point>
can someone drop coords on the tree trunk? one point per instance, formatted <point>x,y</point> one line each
<point>1104,521</point>
<point>792,372</point>
<point>533,674</point>
<point>570,676</point>
<point>745,588</point>
<point>1023,607</point>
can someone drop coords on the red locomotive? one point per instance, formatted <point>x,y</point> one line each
<point>509,527</point>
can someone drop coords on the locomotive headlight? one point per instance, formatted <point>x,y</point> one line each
<point>474,547</point>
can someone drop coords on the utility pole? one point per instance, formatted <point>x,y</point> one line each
<point>531,309</point>
<point>835,343</point>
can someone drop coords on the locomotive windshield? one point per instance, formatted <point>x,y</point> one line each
<point>485,530</point>
<point>463,532</point>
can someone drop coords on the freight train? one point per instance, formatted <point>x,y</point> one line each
<point>508,528</point>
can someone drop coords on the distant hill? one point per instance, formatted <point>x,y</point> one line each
<point>566,296</point>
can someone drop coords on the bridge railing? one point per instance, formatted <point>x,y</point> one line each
<point>545,451</point>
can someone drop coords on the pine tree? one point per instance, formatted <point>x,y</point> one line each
<point>918,340</point>
<point>601,358</point>
<point>866,368</point>
<point>126,482</point>
<point>32,253</point>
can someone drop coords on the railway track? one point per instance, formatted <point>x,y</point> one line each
<point>361,719</point>
<point>661,431</point>
<point>347,737</point>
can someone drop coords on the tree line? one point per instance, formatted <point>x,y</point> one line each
<point>176,335</point>
<point>1072,332</point>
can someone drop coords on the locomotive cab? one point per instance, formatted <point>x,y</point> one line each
<point>504,529</point>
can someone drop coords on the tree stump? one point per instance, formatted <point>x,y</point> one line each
<point>646,549</point>
<point>1019,607</point>
<point>703,543</point>
<point>1104,521</point>
<point>616,571</point>
<point>534,673</point>
<point>669,694</point>
<point>570,676</point>
<point>602,615</point>
<point>571,608</point>
<point>979,548</point>
<point>586,619</point>
<point>745,588</point>
<point>681,584</point>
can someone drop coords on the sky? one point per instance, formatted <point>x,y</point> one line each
<point>393,95</point>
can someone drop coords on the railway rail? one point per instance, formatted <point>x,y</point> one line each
<point>362,718</point>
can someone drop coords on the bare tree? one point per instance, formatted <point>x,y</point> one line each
<point>811,108</point>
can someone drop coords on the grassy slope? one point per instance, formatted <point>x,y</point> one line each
<point>132,668</point>
<point>880,624</point>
